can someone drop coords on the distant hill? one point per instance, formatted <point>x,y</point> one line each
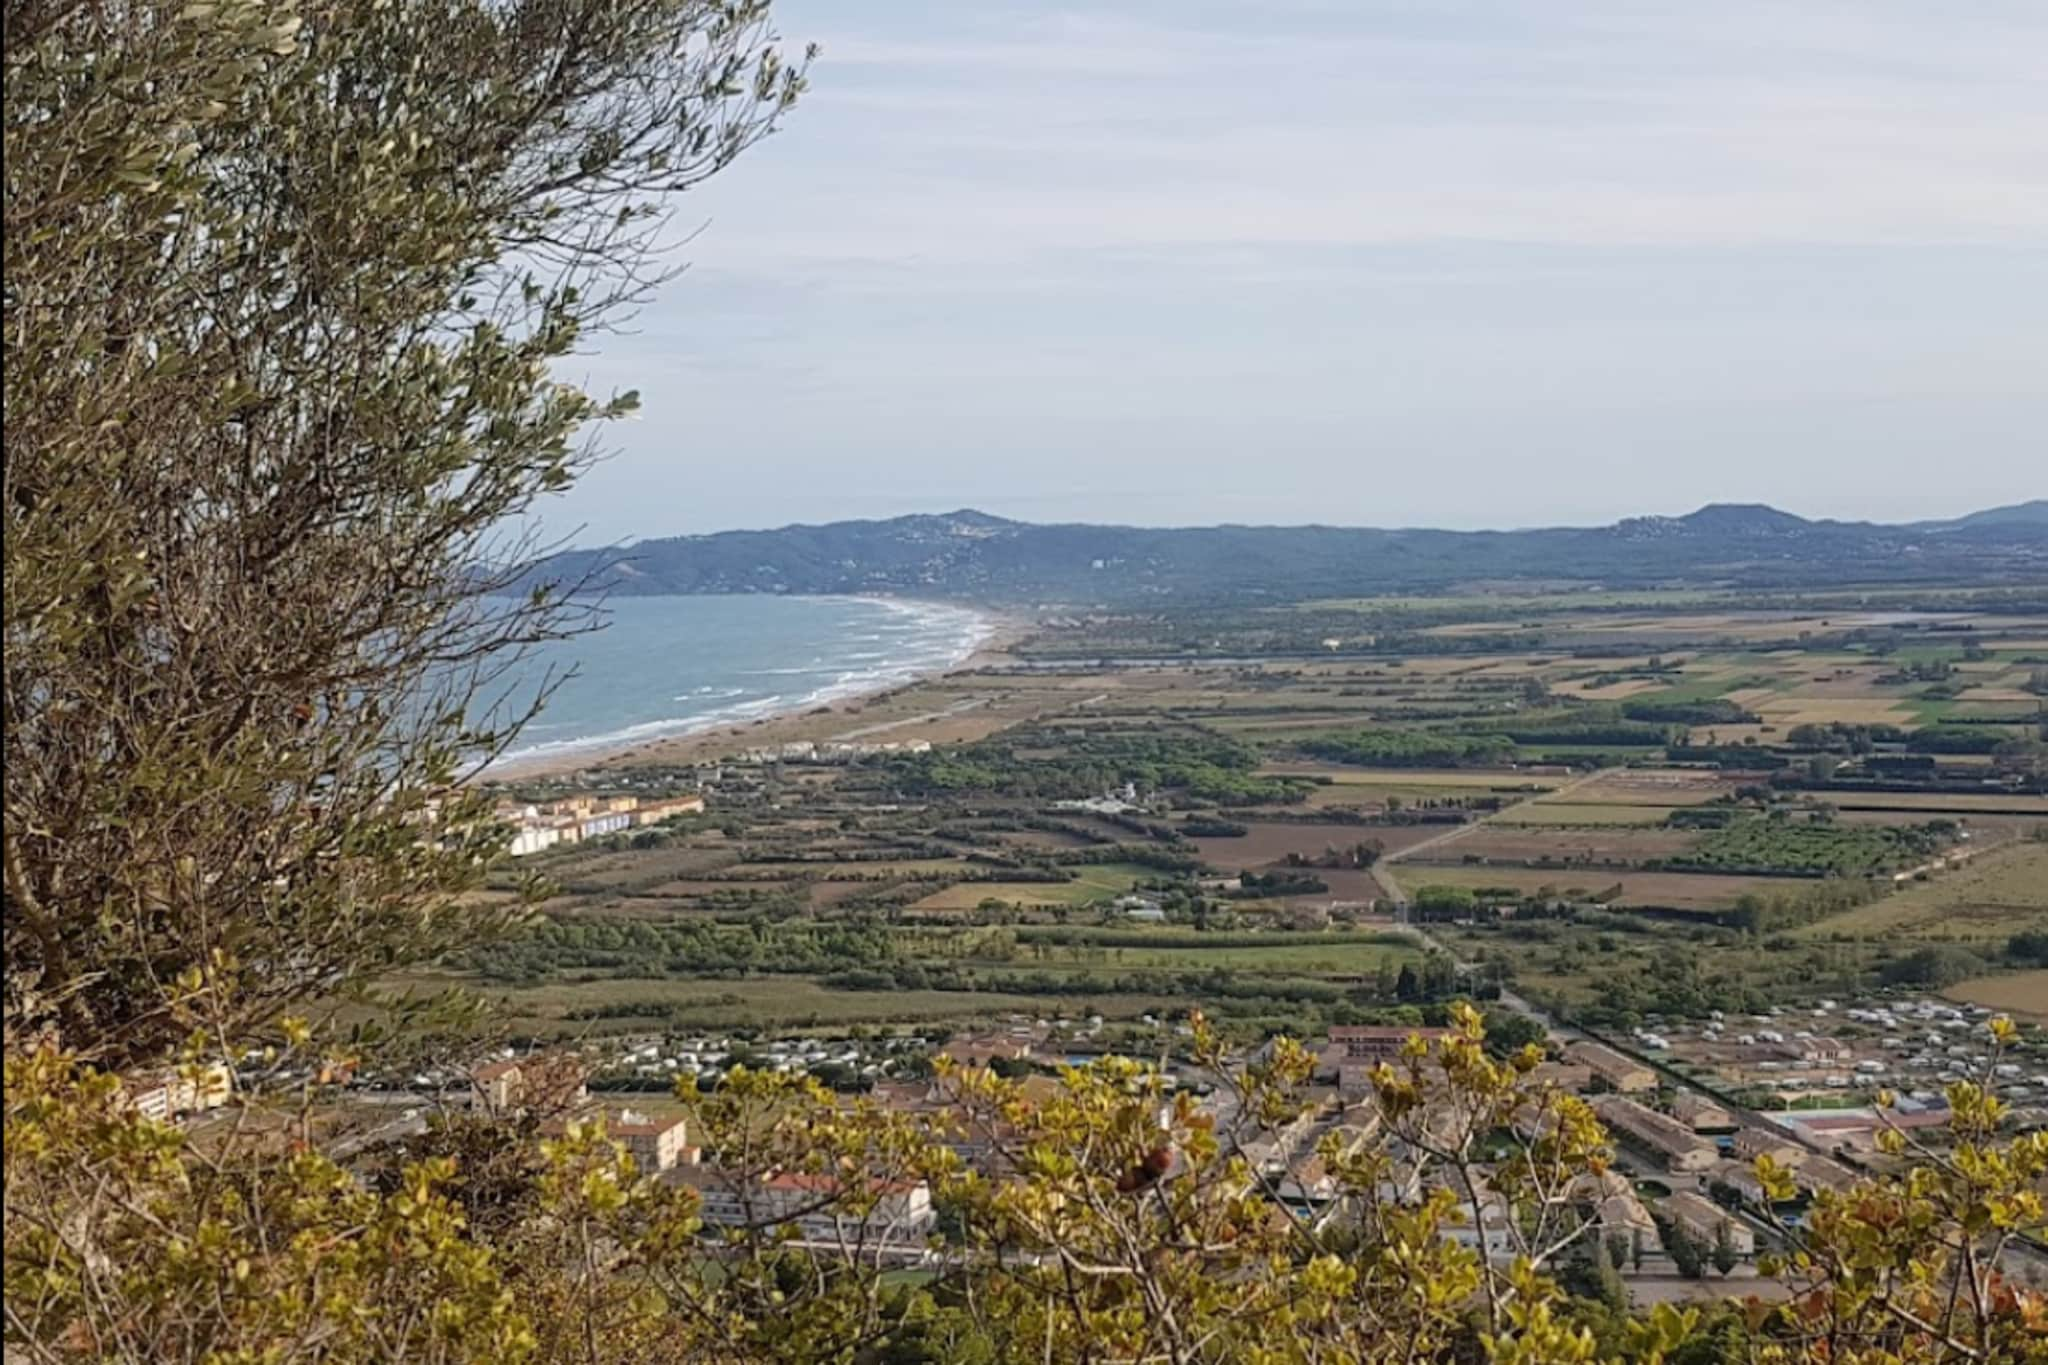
<point>2034,513</point>
<point>973,556</point>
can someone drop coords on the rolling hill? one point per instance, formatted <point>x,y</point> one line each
<point>973,556</point>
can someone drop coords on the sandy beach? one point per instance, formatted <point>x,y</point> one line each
<point>900,710</point>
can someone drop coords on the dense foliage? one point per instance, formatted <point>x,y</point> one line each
<point>1958,739</point>
<point>1195,764</point>
<point>1762,844</point>
<point>1708,711</point>
<point>285,289</point>
<point>1132,1226</point>
<point>1408,748</point>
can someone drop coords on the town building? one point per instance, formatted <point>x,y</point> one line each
<point>1857,1130</point>
<point>979,1139</point>
<point>894,1223</point>
<point>498,1084</point>
<point>1701,1113</point>
<point>576,818</point>
<point>656,1143</point>
<point>654,812</point>
<point>549,1081</point>
<point>187,1090</point>
<point>1742,1178</point>
<point>978,1052</point>
<point>1576,1077</point>
<point>1616,1209</point>
<point>1377,1042</point>
<point>601,823</point>
<point>1707,1222</point>
<point>1492,1233</point>
<point>1818,1051</point>
<point>1754,1141</point>
<point>1672,1143</point>
<point>1621,1074</point>
<point>530,839</point>
<point>1819,1173</point>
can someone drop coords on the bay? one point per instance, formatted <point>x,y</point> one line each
<point>665,666</point>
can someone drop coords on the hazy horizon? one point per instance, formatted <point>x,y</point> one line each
<point>1463,265</point>
<point>939,511</point>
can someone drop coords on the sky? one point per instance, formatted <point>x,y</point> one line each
<point>1451,263</point>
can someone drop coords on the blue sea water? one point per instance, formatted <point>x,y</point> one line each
<point>665,666</point>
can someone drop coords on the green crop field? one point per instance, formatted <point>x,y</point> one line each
<point>1093,882</point>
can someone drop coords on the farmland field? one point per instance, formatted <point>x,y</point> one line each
<point>2019,993</point>
<point>1266,842</point>
<point>1614,843</point>
<point>1097,882</point>
<point>1647,787</point>
<point>1313,957</point>
<point>1987,899</point>
<point>1569,813</point>
<point>1374,796</point>
<point>1416,778</point>
<point>866,874</point>
<point>1672,890</point>
<point>2011,803</point>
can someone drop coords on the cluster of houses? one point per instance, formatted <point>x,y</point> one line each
<point>1695,1156</point>
<point>832,751</point>
<point>1693,1136</point>
<point>1911,1046</point>
<point>893,1223</point>
<point>576,818</point>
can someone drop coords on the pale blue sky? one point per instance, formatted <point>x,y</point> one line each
<point>1369,262</point>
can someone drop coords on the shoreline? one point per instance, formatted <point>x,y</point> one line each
<point>723,738</point>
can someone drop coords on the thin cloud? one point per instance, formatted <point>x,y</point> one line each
<point>1567,244</point>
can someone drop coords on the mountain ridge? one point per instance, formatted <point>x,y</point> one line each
<point>972,555</point>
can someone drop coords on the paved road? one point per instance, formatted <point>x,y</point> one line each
<point>883,727</point>
<point>1383,872</point>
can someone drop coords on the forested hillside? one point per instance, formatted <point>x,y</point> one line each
<point>972,555</point>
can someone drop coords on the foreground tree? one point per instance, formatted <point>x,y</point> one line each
<point>1916,1268</point>
<point>284,287</point>
<point>1128,1225</point>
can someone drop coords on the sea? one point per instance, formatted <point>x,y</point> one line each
<point>665,666</point>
